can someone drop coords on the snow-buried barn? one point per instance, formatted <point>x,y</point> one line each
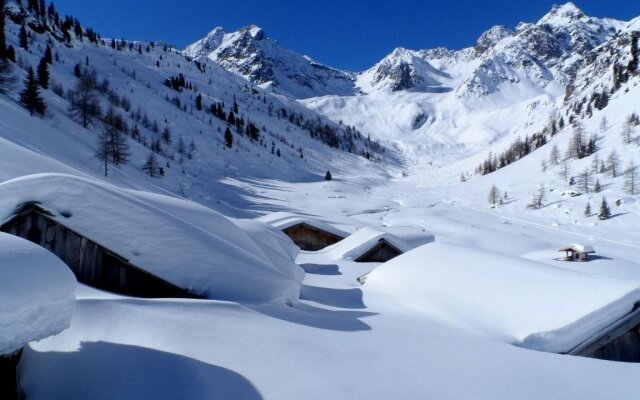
<point>523,302</point>
<point>36,301</point>
<point>308,233</point>
<point>149,245</point>
<point>375,245</point>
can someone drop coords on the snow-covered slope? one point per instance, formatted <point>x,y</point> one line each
<point>548,309</point>
<point>292,143</point>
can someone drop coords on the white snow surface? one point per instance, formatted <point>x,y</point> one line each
<point>36,294</point>
<point>520,301</point>
<point>180,241</point>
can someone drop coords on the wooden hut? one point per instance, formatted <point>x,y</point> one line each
<point>9,387</point>
<point>577,252</point>
<point>307,233</point>
<point>311,238</point>
<point>618,342</point>
<point>369,245</point>
<point>92,263</point>
<point>382,251</point>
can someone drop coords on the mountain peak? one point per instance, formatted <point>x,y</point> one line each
<point>254,30</point>
<point>562,13</point>
<point>207,44</point>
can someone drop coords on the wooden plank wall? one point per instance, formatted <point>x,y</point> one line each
<point>624,348</point>
<point>9,384</point>
<point>382,252</point>
<point>92,264</point>
<point>309,238</point>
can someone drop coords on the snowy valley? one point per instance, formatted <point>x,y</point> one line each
<point>245,222</point>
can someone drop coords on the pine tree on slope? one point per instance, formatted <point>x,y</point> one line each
<point>30,96</point>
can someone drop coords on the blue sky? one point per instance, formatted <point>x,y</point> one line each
<point>349,34</point>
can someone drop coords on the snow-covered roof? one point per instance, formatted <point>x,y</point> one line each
<point>520,301</point>
<point>363,240</point>
<point>36,293</point>
<point>411,235</point>
<point>580,248</point>
<point>283,220</point>
<point>180,241</point>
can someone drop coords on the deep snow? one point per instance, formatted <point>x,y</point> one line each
<point>37,291</point>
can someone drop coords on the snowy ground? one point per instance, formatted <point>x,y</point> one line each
<point>343,340</point>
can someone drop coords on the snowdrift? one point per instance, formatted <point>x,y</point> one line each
<point>182,242</point>
<point>526,303</point>
<point>36,294</point>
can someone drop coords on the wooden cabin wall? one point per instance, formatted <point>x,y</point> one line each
<point>624,348</point>
<point>92,264</point>
<point>9,385</point>
<point>382,252</point>
<point>309,238</point>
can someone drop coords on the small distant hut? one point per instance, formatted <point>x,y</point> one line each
<point>307,233</point>
<point>577,252</point>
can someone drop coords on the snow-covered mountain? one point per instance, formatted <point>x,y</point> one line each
<point>172,107</point>
<point>250,53</point>
<point>245,127</point>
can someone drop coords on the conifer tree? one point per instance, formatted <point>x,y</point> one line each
<point>587,210</point>
<point>565,171</point>
<point>199,102</point>
<point>328,176</point>
<point>7,79</point>
<point>231,118</point>
<point>633,63</point>
<point>114,127</point>
<point>166,135</point>
<point>537,200</point>
<point>3,38</point>
<point>604,213</point>
<point>84,102</point>
<point>48,55</point>
<point>30,96</point>
<point>584,180</point>
<point>613,163</point>
<point>182,148</point>
<point>494,196</point>
<point>24,39</point>
<point>43,73</point>
<point>228,138</point>
<point>554,156</point>
<point>631,179</point>
<point>627,130</point>
<point>151,167</point>
<point>104,150</point>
